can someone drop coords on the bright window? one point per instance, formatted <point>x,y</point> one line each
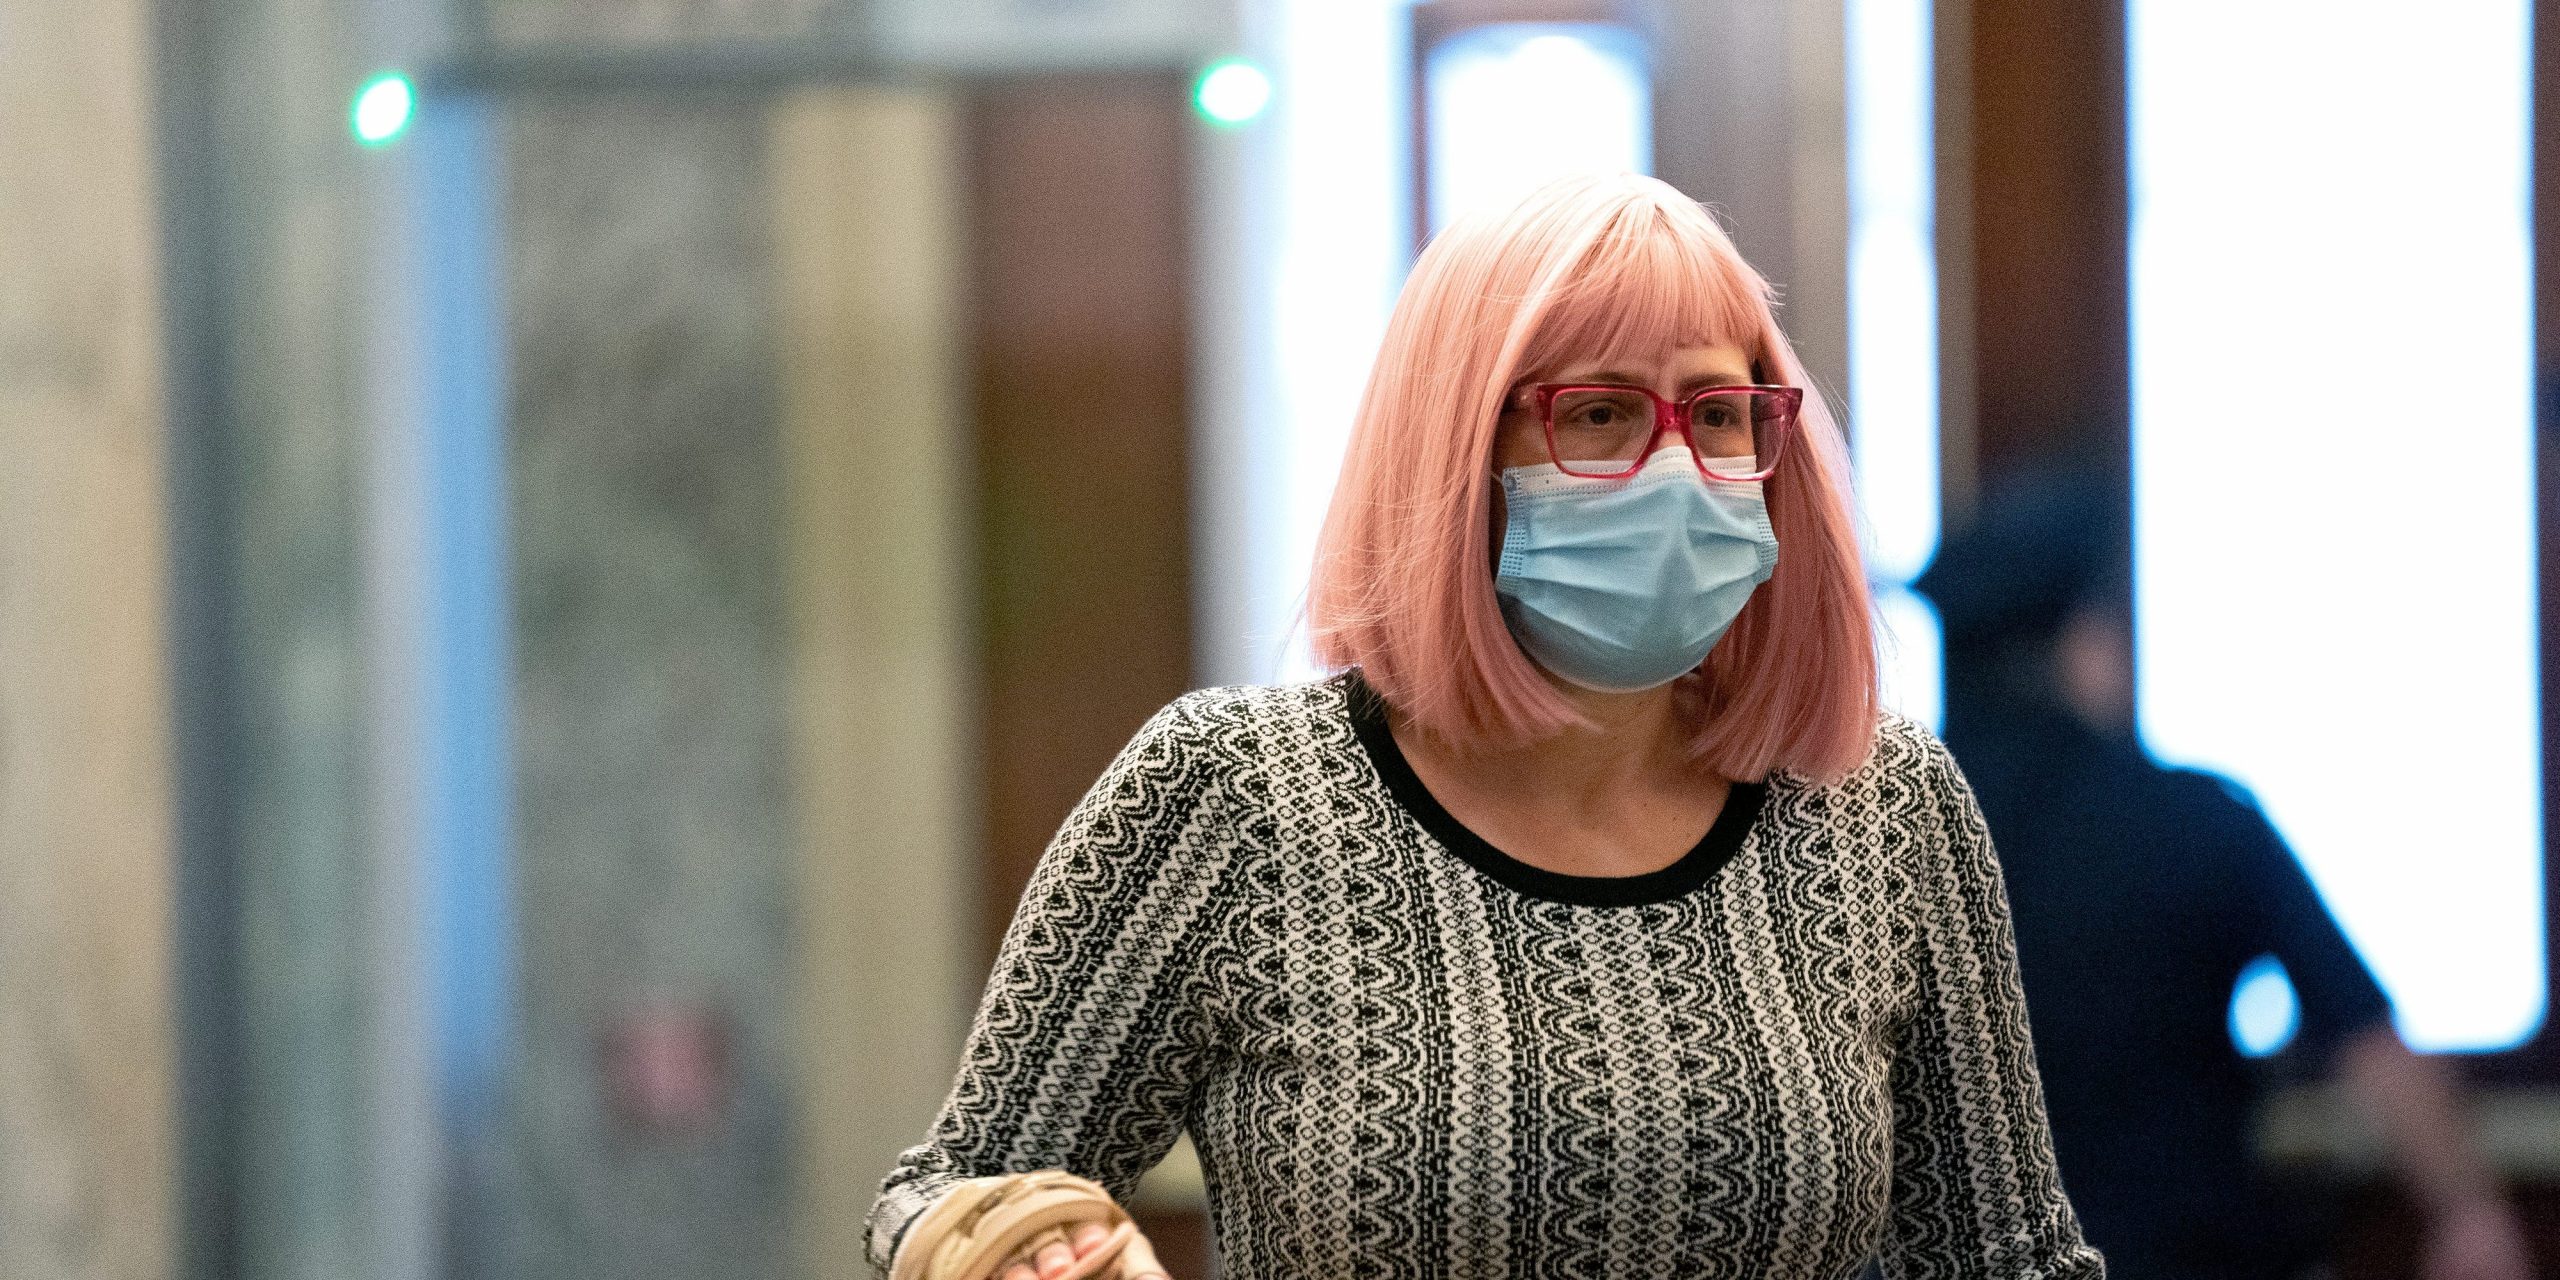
<point>1514,104</point>
<point>1893,329</point>
<point>2333,466</point>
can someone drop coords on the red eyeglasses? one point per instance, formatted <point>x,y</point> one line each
<point>1605,430</point>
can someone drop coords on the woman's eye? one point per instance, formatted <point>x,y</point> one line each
<point>1608,413</point>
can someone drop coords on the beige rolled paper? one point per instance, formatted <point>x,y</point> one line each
<point>979,1225</point>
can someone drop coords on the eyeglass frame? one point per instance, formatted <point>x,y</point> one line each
<point>1668,416</point>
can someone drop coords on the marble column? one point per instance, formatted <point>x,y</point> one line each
<point>654,857</point>
<point>87,1137</point>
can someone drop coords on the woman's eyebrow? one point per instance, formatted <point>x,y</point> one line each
<point>1603,375</point>
<point>1721,378</point>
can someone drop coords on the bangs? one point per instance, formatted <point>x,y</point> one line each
<point>1653,282</point>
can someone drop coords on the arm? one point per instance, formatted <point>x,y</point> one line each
<point>2416,1101</point>
<point>1975,1193</point>
<point>1090,1037</point>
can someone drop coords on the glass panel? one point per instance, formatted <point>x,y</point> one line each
<point>2330,630</point>
<point>1893,326</point>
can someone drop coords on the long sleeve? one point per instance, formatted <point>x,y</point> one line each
<point>1975,1192</point>
<point>1092,1035</point>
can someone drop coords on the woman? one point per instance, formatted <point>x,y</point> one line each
<point>1592,921</point>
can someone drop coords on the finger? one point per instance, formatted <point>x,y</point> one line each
<point>1103,1259</point>
<point>1088,1235</point>
<point>1053,1258</point>
<point>1020,1271</point>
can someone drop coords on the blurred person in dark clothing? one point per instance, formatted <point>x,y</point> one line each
<point>2139,894</point>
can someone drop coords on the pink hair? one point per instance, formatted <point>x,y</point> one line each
<point>1603,269</point>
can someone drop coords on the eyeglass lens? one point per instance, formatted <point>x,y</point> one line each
<point>1606,430</point>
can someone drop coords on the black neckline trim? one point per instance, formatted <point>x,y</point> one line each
<point>1724,839</point>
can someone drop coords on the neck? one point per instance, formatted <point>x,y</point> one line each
<point>1636,735</point>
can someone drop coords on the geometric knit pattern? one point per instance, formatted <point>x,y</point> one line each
<point>1394,1064</point>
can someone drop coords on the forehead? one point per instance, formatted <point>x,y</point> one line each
<point>1682,365</point>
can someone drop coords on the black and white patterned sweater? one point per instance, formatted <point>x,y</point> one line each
<point>1402,1053</point>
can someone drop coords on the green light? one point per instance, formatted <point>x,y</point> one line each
<point>1231,91</point>
<point>383,109</point>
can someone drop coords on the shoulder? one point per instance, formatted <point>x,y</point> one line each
<point>1233,750</point>
<point>1905,755</point>
<point>1908,789</point>
<point>1207,756</point>
<point>1908,744</point>
<point>2203,790</point>
<point>1227,711</point>
<point>1243,726</point>
<point>2219,821</point>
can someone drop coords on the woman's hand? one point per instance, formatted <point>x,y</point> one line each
<point>1058,1252</point>
<point>1047,1224</point>
<point>2477,1240</point>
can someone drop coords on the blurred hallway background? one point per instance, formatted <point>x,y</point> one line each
<point>561,559</point>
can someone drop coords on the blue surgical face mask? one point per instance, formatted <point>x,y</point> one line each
<point>1627,584</point>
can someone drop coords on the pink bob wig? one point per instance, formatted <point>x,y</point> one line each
<point>1585,269</point>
